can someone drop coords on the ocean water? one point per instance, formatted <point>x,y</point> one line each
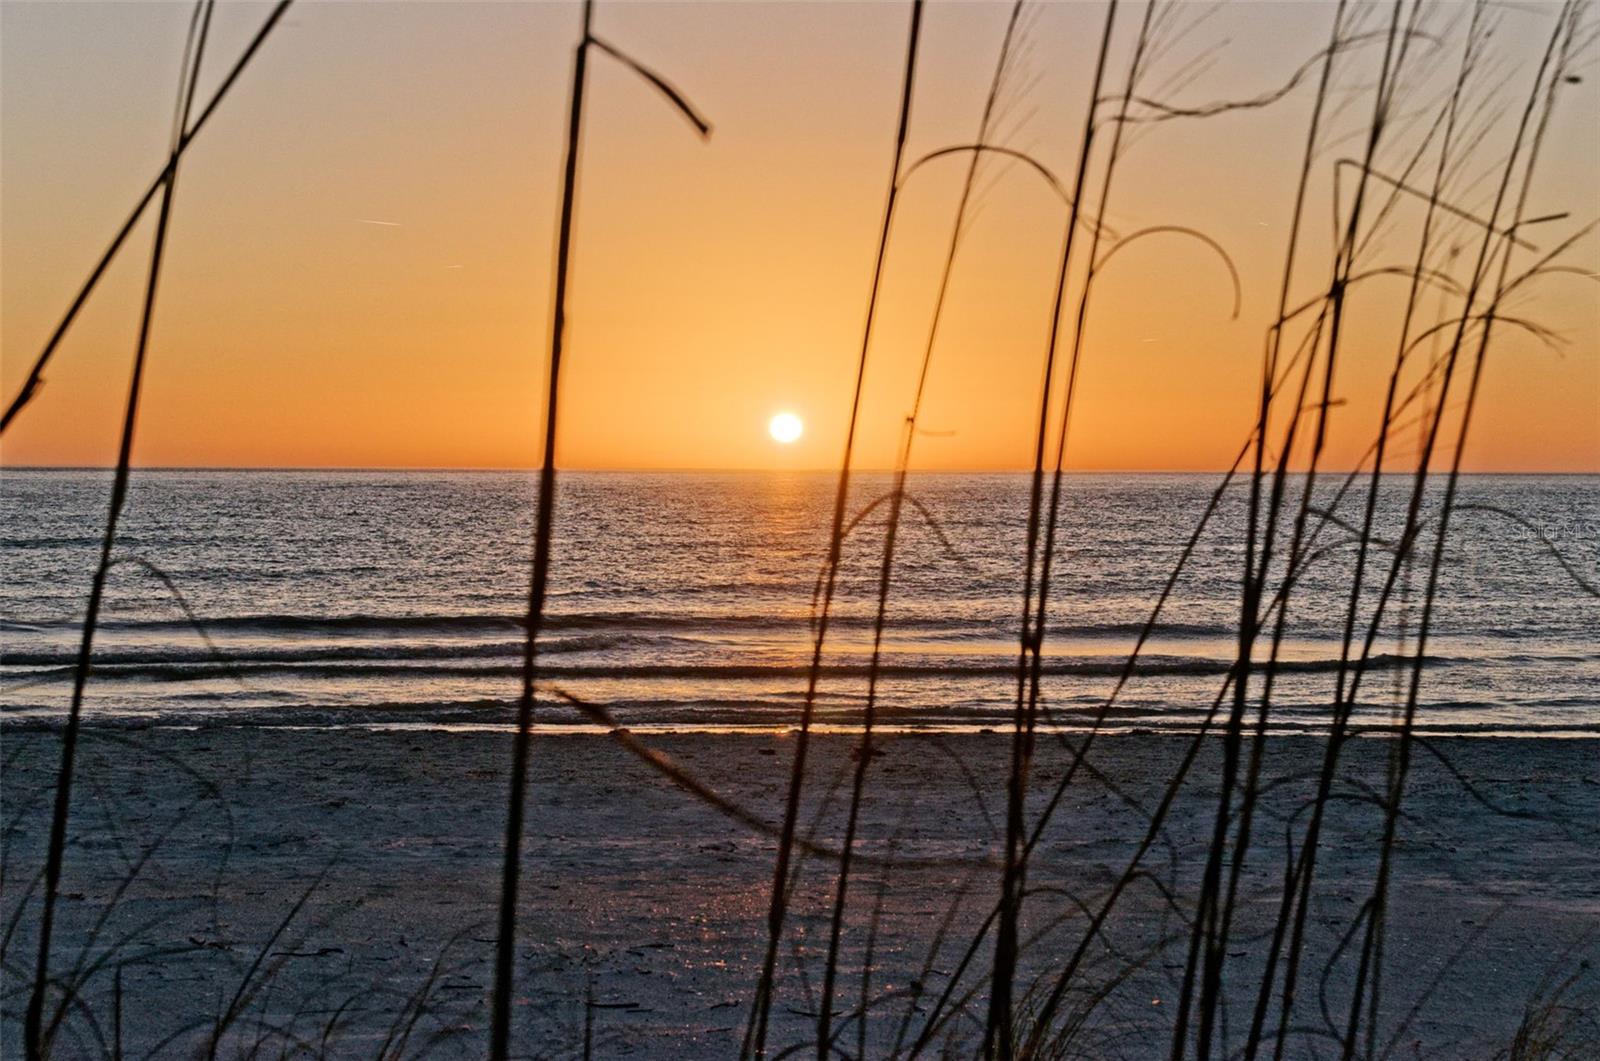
<point>683,601</point>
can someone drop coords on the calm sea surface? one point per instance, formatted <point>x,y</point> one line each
<point>683,601</point>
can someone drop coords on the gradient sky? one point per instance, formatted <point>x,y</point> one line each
<point>715,282</point>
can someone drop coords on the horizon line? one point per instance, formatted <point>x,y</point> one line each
<point>614,470</point>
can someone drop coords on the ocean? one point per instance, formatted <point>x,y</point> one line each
<point>683,601</point>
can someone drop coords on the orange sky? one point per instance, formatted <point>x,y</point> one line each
<point>715,283</point>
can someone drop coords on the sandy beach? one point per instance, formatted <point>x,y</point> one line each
<point>643,908</point>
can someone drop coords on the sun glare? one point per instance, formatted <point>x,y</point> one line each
<point>785,428</point>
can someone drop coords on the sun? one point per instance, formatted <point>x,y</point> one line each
<point>785,428</point>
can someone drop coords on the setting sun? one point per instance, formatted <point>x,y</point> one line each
<point>785,428</point>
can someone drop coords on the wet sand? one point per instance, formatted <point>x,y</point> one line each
<point>652,904</point>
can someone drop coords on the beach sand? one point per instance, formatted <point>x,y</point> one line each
<point>651,903</point>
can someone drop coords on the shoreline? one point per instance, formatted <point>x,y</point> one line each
<point>37,723</point>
